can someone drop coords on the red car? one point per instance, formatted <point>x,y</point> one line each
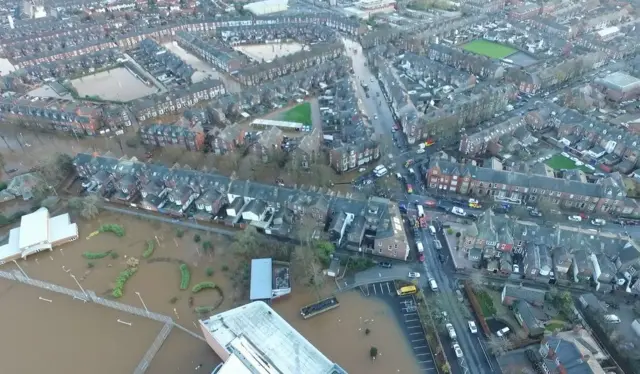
<point>421,257</point>
<point>430,203</point>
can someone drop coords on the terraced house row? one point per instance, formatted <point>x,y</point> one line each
<point>608,195</point>
<point>373,226</point>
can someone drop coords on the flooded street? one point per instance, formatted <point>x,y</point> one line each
<point>340,333</point>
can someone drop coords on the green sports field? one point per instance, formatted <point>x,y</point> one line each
<point>489,49</point>
<point>300,113</point>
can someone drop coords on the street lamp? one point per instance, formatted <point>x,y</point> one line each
<point>142,301</point>
<point>78,283</point>
<point>21,269</point>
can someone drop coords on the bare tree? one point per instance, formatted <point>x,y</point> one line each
<point>477,281</point>
<point>498,345</point>
<point>88,206</point>
<point>246,243</point>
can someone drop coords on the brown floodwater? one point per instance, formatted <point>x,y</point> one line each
<point>67,336</point>
<point>340,333</point>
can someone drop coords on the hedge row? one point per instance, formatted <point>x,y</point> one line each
<point>203,286</point>
<point>116,229</point>
<point>149,251</point>
<point>122,279</point>
<point>185,276</point>
<point>95,255</point>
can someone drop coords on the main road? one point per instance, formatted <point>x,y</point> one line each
<point>380,114</point>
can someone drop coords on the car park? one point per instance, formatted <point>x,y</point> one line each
<point>472,327</point>
<point>413,274</point>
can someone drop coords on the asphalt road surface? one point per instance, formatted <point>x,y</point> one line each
<point>474,360</point>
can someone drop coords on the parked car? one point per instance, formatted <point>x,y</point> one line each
<point>598,222</point>
<point>503,332</point>
<point>458,211</point>
<point>535,213</point>
<point>472,327</point>
<point>575,218</point>
<point>451,331</point>
<point>433,285</point>
<point>386,265</point>
<point>421,257</point>
<point>413,274</point>
<point>456,348</point>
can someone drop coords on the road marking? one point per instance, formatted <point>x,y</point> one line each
<point>417,340</point>
<point>411,320</point>
<point>423,354</point>
<point>408,314</point>
<point>389,288</point>
<point>415,333</point>
<point>414,327</point>
<point>374,289</point>
<point>420,347</point>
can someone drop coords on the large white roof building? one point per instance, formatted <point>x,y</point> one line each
<point>254,339</point>
<point>36,233</point>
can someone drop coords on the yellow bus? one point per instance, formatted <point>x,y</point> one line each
<point>407,290</point>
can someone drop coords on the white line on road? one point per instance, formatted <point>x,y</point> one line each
<point>375,292</point>
<point>414,327</point>
<point>417,340</point>
<point>410,314</point>
<point>415,333</point>
<point>389,288</point>
<point>411,320</point>
<point>420,347</point>
<point>423,354</point>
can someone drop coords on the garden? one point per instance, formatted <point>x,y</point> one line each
<point>182,274</point>
<point>558,162</point>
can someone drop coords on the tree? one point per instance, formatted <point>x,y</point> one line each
<point>477,281</point>
<point>373,352</point>
<point>90,206</point>
<point>2,162</point>
<point>246,243</point>
<point>471,230</point>
<point>498,345</point>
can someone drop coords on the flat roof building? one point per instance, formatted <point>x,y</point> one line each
<point>254,339</point>
<point>36,233</point>
<point>269,280</point>
<point>620,81</point>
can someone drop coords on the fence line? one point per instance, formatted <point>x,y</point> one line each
<point>169,323</point>
<point>153,349</point>
<point>188,331</point>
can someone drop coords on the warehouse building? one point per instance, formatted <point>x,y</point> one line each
<point>620,86</point>
<point>260,8</point>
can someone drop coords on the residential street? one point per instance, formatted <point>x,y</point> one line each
<point>474,360</point>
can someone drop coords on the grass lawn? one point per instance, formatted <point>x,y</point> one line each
<point>558,162</point>
<point>489,49</point>
<point>554,325</point>
<point>299,113</point>
<point>486,303</point>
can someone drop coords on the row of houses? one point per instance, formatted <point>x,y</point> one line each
<point>372,226</point>
<point>64,115</point>
<point>559,252</point>
<point>608,195</point>
<point>217,54</point>
<point>168,30</point>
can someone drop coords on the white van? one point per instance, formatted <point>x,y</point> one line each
<point>433,285</point>
<point>612,318</point>
<point>432,230</point>
<point>437,244</point>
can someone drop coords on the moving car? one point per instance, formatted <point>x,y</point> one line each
<point>473,203</point>
<point>421,257</point>
<point>458,211</point>
<point>430,203</point>
<point>451,331</point>
<point>433,285</point>
<point>414,274</point>
<point>575,218</point>
<point>409,188</point>
<point>420,151</point>
<point>598,222</point>
<point>456,348</point>
<point>472,327</point>
<point>386,265</point>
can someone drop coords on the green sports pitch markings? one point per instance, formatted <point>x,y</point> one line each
<point>489,49</point>
<point>299,113</point>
